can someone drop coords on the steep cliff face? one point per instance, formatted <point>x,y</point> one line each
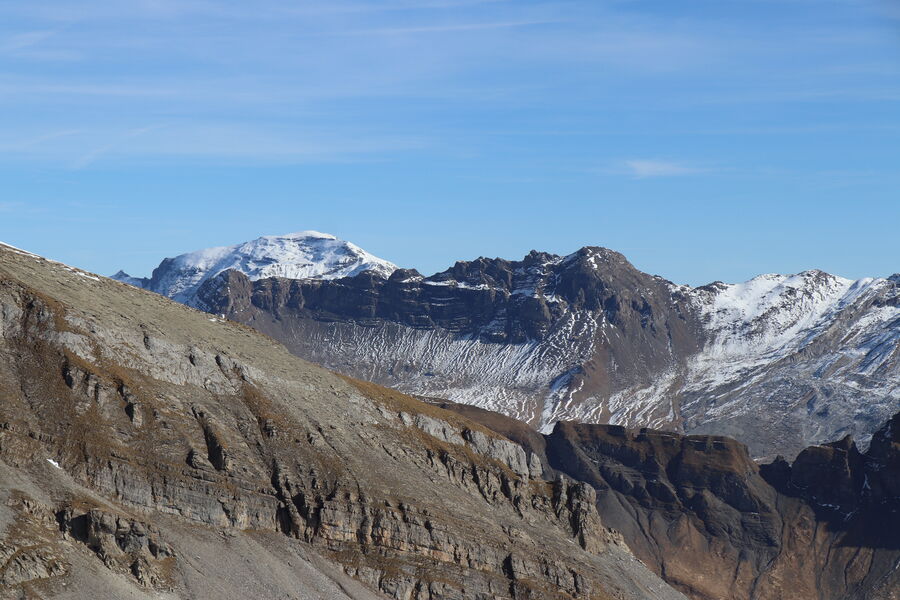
<point>150,450</point>
<point>778,362</point>
<point>716,526</point>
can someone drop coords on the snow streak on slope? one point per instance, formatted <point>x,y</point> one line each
<point>507,378</point>
<point>788,360</point>
<point>761,320</point>
<point>303,255</point>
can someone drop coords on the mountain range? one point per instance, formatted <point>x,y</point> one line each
<point>778,362</point>
<point>151,450</point>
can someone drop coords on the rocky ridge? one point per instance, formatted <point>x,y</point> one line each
<point>138,438</point>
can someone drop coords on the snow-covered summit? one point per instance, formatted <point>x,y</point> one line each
<point>772,308</point>
<point>301,255</point>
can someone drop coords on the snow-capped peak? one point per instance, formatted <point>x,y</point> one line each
<point>301,255</point>
<point>766,318</point>
<point>808,294</point>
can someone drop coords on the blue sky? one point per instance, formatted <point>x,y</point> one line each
<point>704,140</point>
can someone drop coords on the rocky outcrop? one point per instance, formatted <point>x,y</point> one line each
<point>147,430</point>
<point>27,551</point>
<point>779,362</point>
<point>123,544</point>
<point>494,300</point>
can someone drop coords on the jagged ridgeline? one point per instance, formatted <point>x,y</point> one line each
<point>778,362</point>
<point>150,450</point>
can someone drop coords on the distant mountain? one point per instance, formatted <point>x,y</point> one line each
<point>303,255</point>
<point>779,362</point>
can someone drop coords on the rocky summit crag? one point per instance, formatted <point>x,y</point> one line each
<point>778,362</point>
<point>149,450</point>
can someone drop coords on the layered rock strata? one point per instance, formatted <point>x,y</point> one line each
<point>718,526</point>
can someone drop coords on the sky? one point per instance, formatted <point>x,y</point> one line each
<point>705,140</point>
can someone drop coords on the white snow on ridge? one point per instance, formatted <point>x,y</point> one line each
<point>767,313</point>
<point>19,250</point>
<point>302,255</point>
<point>755,323</point>
<point>754,298</point>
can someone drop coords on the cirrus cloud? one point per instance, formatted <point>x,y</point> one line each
<point>660,168</point>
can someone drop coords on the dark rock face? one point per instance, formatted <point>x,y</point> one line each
<point>123,544</point>
<point>523,326</point>
<point>716,526</point>
<point>778,362</point>
<point>494,300</point>
<point>857,493</point>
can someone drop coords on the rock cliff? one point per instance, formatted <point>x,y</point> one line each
<point>718,526</point>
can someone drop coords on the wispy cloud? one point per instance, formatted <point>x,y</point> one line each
<point>245,143</point>
<point>448,28</point>
<point>86,159</point>
<point>84,10</point>
<point>47,89</point>
<point>643,168</point>
<point>26,39</point>
<point>377,76</point>
<point>36,141</point>
<point>31,45</point>
<point>20,209</point>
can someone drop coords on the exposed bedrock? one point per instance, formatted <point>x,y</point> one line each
<point>715,525</point>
